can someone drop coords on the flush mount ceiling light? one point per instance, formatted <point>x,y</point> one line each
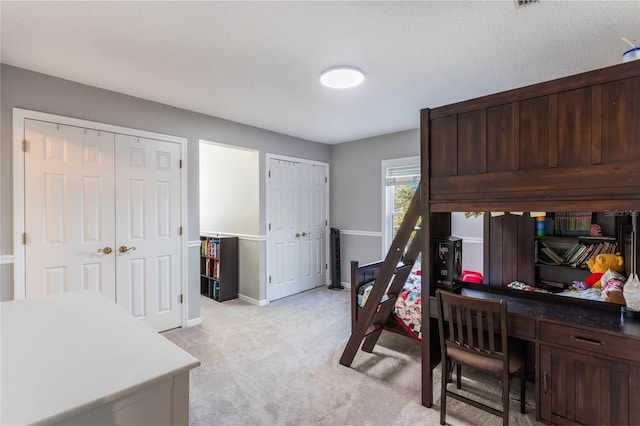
<point>342,77</point>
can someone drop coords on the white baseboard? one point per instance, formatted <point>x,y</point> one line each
<point>194,321</point>
<point>253,301</point>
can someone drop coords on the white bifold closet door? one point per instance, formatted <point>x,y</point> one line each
<point>297,227</point>
<point>102,212</point>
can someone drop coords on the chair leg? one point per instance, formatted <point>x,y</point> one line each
<point>450,365</point>
<point>443,390</point>
<point>505,399</point>
<point>458,375</point>
<point>522,390</point>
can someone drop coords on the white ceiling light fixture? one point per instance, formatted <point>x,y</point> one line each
<point>342,77</point>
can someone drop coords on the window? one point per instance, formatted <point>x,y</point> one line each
<point>401,178</point>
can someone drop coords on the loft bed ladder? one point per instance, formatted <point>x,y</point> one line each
<point>379,306</point>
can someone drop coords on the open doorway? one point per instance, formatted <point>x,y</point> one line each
<point>230,204</point>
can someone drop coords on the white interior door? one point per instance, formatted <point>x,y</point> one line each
<point>284,242</point>
<point>312,220</point>
<point>147,229</point>
<point>69,209</point>
<point>297,227</point>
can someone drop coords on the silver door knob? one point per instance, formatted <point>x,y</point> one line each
<point>124,249</point>
<point>297,235</point>
<point>304,234</point>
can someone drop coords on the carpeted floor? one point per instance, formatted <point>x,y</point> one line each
<point>278,365</point>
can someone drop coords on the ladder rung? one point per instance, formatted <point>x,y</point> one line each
<point>386,300</point>
<point>372,329</point>
<point>404,267</point>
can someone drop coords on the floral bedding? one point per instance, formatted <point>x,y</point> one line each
<point>407,309</point>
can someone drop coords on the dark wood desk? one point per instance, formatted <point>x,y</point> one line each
<point>587,360</point>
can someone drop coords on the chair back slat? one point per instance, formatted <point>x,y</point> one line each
<point>474,325</point>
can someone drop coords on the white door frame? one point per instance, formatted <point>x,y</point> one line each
<point>19,115</point>
<point>266,186</point>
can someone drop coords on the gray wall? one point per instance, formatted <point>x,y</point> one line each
<point>29,90</point>
<point>356,192</point>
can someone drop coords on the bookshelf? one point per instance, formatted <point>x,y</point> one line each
<point>562,258</point>
<point>219,268</point>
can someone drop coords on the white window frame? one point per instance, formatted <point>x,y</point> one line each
<point>388,198</point>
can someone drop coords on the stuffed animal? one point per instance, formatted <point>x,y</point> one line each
<point>612,287</point>
<point>601,264</point>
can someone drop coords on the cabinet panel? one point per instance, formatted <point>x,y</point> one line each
<point>500,142</point>
<point>634,391</point>
<point>582,388</point>
<point>534,133</point>
<point>574,127</point>
<point>444,146</point>
<point>511,256</point>
<point>620,118</point>
<point>472,142</point>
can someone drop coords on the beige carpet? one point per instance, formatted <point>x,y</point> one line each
<point>278,365</point>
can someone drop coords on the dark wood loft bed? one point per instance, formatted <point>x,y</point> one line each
<point>571,144</point>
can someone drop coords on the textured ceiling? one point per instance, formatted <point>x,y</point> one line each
<point>259,63</point>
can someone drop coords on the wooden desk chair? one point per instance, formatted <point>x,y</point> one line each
<point>473,332</point>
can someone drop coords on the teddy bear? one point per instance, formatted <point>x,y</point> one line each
<point>599,264</point>
<point>613,287</point>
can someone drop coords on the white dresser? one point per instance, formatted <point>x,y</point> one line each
<point>78,358</point>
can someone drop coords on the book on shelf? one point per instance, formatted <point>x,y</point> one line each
<point>553,283</point>
<point>571,251</point>
<point>584,256</point>
<point>547,254</point>
<point>210,247</point>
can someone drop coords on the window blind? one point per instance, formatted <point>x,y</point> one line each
<point>402,175</point>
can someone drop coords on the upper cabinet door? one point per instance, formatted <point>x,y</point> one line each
<point>621,121</point>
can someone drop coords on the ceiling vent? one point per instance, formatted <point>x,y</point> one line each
<point>523,3</point>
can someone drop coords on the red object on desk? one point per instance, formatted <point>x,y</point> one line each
<point>472,277</point>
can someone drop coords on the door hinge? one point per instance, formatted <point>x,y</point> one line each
<point>326,222</point>
<point>180,163</point>
<point>269,227</point>
<point>24,238</point>
<point>269,279</point>
<point>180,230</point>
<point>269,173</point>
<point>24,145</point>
<point>326,266</point>
<point>181,298</point>
<point>325,179</point>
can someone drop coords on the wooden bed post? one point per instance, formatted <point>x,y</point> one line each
<point>426,249</point>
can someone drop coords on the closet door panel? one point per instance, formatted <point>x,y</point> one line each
<point>147,225</point>
<point>312,186</point>
<point>284,234</point>
<point>69,210</point>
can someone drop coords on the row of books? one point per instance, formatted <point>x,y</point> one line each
<point>576,255</point>
<point>212,268</point>
<point>210,247</point>
<point>572,223</point>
